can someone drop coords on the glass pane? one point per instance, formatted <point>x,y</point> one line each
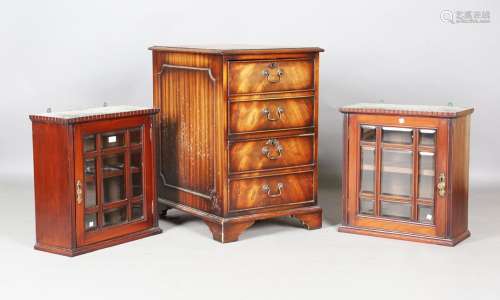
<point>115,216</point>
<point>135,136</point>
<point>137,211</point>
<point>113,164</point>
<point>114,179</point>
<point>90,195</point>
<point>90,183</point>
<point>366,206</point>
<point>89,143</point>
<point>367,169</point>
<point>426,214</point>
<point>368,133</point>
<point>136,169</point>
<point>426,176</point>
<point>397,135</point>
<point>427,137</point>
<point>90,221</point>
<point>113,189</point>
<point>396,210</point>
<point>90,167</point>
<point>397,172</point>
<point>136,184</point>
<point>113,139</point>
<point>136,160</point>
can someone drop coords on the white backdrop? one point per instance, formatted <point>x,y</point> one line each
<point>69,55</point>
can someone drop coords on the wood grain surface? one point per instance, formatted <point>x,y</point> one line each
<point>247,156</point>
<point>248,77</point>
<point>251,194</point>
<point>261,115</point>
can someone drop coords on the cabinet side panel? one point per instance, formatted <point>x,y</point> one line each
<point>345,170</point>
<point>53,177</point>
<point>459,172</point>
<point>187,94</point>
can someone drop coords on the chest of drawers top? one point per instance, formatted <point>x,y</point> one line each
<point>233,49</point>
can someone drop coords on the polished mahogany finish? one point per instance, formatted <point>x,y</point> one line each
<point>271,153</point>
<point>406,170</point>
<point>271,191</point>
<point>249,77</point>
<point>94,178</point>
<point>279,114</point>
<point>237,134</point>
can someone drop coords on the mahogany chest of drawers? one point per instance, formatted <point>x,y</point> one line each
<point>406,172</point>
<point>94,178</point>
<point>238,134</point>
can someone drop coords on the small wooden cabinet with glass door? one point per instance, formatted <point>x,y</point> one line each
<point>406,172</point>
<point>94,178</point>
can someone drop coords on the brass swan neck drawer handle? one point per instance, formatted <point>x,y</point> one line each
<point>79,192</point>
<point>279,113</point>
<point>267,189</point>
<point>267,151</point>
<point>273,78</point>
<point>442,185</point>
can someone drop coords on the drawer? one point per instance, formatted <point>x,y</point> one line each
<point>266,192</point>
<point>260,115</point>
<point>271,153</point>
<point>247,77</point>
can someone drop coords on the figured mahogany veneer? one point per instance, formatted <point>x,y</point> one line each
<point>249,77</point>
<point>250,116</point>
<point>406,170</point>
<point>237,134</point>
<point>271,153</point>
<point>271,191</point>
<point>94,182</point>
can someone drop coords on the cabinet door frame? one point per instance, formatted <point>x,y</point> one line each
<point>437,229</point>
<point>148,189</point>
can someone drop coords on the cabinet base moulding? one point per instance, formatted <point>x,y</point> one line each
<point>405,236</point>
<point>226,230</point>
<point>99,245</point>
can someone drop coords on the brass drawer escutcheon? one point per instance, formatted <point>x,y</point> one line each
<point>79,192</point>
<point>442,185</point>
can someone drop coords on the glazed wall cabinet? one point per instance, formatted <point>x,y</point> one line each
<point>237,134</point>
<point>406,172</point>
<point>94,183</point>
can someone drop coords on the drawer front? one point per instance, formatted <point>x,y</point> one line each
<point>260,115</point>
<point>266,192</point>
<point>270,76</point>
<point>271,153</point>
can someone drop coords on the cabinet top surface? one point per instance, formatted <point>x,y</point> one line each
<point>93,114</point>
<point>403,109</point>
<point>228,49</point>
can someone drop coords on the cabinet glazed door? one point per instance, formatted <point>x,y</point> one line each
<point>113,197</point>
<point>398,164</point>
